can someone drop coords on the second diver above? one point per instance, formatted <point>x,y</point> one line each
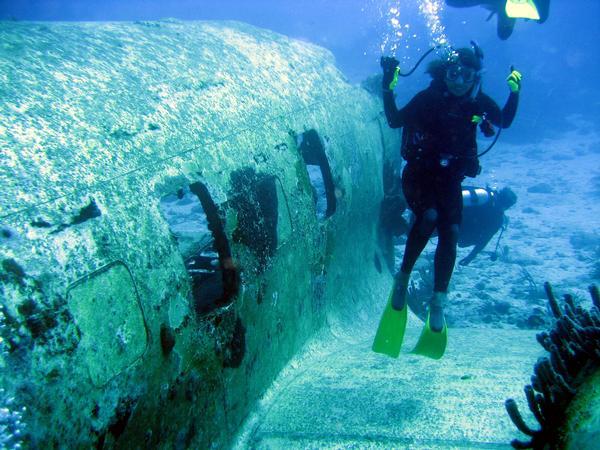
<point>508,11</point>
<point>440,148</point>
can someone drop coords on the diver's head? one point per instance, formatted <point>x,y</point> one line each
<point>506,198</point>
<point>462,71</point>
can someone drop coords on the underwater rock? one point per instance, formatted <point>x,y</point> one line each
<point>541,188</point>
<point>537,318</point>
<point>529,210</point>
<point>501,307</point>
<point>581,240</point>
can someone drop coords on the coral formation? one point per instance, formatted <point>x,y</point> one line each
<point>11,417</point>
<point>574,347</point>
<point>11,424</point>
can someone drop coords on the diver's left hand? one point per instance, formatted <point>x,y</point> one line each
<point>389,64</point>
<point>514,81</point>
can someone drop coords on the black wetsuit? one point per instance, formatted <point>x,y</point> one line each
<point>439,145</point>
<point>478,226</point>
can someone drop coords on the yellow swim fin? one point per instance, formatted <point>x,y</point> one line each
<point>522,9</point>
<point>390,332</point>
<point>432,343</point>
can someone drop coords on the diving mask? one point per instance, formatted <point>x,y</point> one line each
<point>456,71</point>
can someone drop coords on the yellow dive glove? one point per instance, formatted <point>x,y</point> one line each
<point>389,64</point>
<point>514,81</point>
<point>394,81</point>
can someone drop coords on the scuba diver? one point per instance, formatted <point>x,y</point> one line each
<point>508,11</point>
<point>483,216</point>
<point>440,149</point>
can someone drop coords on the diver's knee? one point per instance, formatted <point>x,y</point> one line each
<point>428,222</point>
<point>454,229</point>
<point>430,217</point>
<point>453,233</point>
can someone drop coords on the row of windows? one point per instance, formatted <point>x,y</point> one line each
<point>196,222</point>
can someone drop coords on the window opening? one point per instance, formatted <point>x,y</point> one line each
<point>319,172</point>
<point>318,189</point>
<point>196,224</point>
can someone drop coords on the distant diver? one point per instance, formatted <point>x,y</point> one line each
<point>508,11</point>
<point>483,217</point>
<point>440,148</point>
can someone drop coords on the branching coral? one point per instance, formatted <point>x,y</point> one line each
<point>574,347</point>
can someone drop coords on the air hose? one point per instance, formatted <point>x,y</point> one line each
<point>479,54</point>
<point>410,72</point>
<point>479,155</point>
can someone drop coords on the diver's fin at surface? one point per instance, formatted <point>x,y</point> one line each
<point>522,9</point>
<point>432,343</point>
<point>390,332</point>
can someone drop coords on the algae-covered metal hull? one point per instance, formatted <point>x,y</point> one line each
<point>164,252</point>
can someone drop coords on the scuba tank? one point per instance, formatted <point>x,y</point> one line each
<point>476,196</point>
<point>473,196</point>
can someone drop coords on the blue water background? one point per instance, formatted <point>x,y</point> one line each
<point>559,59</point>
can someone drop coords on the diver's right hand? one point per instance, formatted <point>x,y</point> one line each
<point>389,64</point>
